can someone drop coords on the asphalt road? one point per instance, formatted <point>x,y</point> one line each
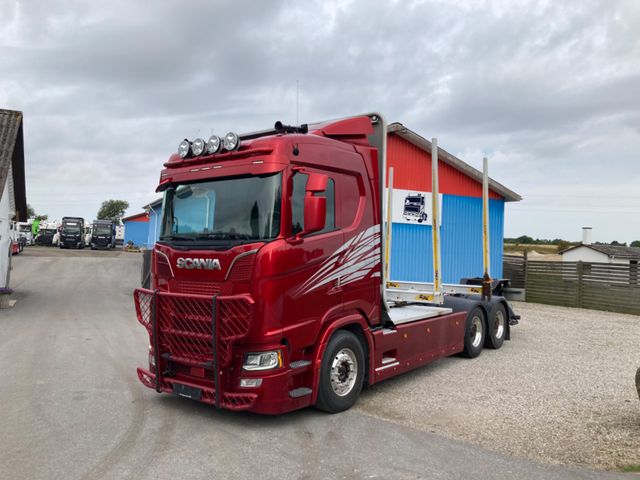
<point>71,406</point>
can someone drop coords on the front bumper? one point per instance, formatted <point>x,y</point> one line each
<point>229,401</point>
<point>196,343</point>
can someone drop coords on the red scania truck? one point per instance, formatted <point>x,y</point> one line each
<point>270,286</point>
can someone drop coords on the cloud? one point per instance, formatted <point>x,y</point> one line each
<point>547,90</point>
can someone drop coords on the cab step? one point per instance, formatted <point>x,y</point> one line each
<point>299,392</point>
<point>299,364</point>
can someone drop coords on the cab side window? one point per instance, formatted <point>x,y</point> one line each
<point>297,204</point>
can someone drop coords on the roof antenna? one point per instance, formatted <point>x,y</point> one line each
<point>297,102</point>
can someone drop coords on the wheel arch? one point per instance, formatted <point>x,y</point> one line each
<point>355,324</point>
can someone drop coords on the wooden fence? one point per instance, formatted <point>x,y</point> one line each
<point>598,286</point>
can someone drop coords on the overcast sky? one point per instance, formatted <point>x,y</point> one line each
<point>548,90</point>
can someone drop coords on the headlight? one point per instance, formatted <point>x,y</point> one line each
<point>184,148</point>
<point>231,141</point>
<point>152,357</point>
<point>262,360</point>
<point>198,147</point>
<point>213,144</point>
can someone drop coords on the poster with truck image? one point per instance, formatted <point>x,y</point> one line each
<point>413,207</point>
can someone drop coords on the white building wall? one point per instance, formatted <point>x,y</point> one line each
<point>586,254</point>
<point>6,215</point>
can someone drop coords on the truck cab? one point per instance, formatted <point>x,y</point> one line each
<point>72,233</point>
<point>414,208</point>
<point>25,233</point>
<point>103,234</point>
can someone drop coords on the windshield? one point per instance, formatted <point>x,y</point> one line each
<point>25,228</point>
<point>71,228</point>
<point>233,210</point>
<point>101,230</point>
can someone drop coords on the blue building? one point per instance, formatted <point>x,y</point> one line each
<point>136,229</point>
<point>460,186</point>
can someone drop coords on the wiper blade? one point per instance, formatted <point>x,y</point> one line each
<point>224,236</point>
<point>177,237</point>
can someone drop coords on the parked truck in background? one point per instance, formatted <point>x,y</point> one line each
<point>103,234</point>
<point>72,233</point>
<point>25,232</point>
<point>47,233</point>
<point>269,282</point>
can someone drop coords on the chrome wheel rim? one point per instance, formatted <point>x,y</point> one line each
<point>498,326</point>
<point>476,331</point>
<point>344,370</point>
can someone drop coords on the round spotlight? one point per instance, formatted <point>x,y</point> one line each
<point>184,148</point>
<point>213,144</point>
<point>198,147</point>
<point>231,141</point>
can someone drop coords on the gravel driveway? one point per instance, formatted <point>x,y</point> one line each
<point>561,391</point>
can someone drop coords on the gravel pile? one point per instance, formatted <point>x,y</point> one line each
<point>561,391</point>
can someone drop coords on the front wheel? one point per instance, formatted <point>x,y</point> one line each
<point>341,374</point>
<point>474,333</point>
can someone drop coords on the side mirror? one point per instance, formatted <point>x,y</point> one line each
<point>315,213</point>
<point>315,208</point>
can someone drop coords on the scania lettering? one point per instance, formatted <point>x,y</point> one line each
<point>200,263</point>
<point>271,287</point>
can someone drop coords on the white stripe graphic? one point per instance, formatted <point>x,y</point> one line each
<point>353,261</point>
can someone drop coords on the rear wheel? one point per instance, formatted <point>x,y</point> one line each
<point>341,374</point>
<point>497,327</point>
<point>474,333</point>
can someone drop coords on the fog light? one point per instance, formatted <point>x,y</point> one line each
<point>250,382</point>
<point>262,360</point>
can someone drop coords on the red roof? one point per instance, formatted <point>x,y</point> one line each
<point>138,217</point>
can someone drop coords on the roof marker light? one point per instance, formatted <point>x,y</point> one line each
<point>231,141</point>
<point>213,144</point>
<point>184,148</point>
<point>198,147</point>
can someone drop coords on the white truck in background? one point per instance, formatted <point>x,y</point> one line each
<point>24,232</point>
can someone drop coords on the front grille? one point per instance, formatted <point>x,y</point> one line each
<point>196,288</point>
<point>186,330</point>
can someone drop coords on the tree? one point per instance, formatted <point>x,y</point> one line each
<point>635,243</point>
<point>615,243</point>
<point>112,210</point>
<point>31,213</point>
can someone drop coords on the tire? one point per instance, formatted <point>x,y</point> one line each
<point>474,333</point>
<point>343,355</point>
<point>497,330</point>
